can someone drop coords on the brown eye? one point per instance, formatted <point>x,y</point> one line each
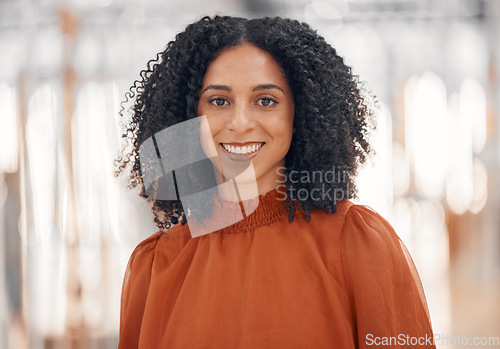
<point>267,102</point>
<point>220,102</point>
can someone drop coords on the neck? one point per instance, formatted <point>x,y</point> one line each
<point>245,186</point>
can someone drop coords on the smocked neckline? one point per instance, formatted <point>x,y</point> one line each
<point>271,208</point>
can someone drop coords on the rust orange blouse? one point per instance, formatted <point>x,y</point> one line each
<point>342,280</point>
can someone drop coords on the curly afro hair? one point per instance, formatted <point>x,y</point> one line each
<point>333,116</point>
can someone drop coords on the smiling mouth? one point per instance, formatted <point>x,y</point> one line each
<point>242,150</point>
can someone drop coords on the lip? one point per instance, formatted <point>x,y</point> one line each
<point>241,157</point>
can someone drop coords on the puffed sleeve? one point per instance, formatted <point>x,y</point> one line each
<point>387,298</point>
<point>135,290</point>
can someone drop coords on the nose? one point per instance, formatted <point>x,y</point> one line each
<point>241,119</point>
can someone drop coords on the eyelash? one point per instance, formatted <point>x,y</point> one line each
<point>274,101</point>
<point>271,99</point>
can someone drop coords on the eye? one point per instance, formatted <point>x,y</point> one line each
<point>267,101</point>
<point>219,102</point>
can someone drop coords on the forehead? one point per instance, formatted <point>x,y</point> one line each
<point>244,64</point>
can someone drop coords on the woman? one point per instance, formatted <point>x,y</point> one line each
<point>305,268</point>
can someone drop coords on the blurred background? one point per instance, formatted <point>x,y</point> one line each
<point>68,226</point>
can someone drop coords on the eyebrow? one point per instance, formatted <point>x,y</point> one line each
<point>256,88</point>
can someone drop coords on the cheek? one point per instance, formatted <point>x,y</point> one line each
<point>284,137</point>
<point>216,125</point>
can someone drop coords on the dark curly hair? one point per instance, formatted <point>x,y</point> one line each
<point>333,116</point>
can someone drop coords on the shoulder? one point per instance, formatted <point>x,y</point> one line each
<point>371,249</point>
<point>161,247</point>
<point>356,224</point>
<point>363,223</point>
<point>357,227</point>
<point>144,251</point>
<point>351,217</point>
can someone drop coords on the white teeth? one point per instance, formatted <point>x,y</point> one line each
<point>242,150</point>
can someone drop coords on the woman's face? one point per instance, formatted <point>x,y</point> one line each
<point>249,107</point>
